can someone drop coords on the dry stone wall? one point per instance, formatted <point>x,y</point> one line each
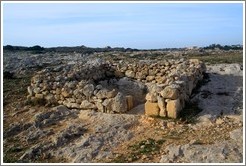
<point>118,87</point>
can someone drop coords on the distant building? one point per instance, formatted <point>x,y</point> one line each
<point>192,48</point>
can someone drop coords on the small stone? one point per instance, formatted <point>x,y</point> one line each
<point>219,121</point>
<point>144,156</point>
<point>99,106</point>
<point>87,105</point>
<point>36,90</point>
<point>88,90</point>
<point>50,98</point>
<point>171,124</point>
<point>104,93</point>
<point>30,90</point>
<point>170,93</point>
<point>140,75</point>
<point>78,101</point>
<point>58,91</point>
<point>130,73</point>
<point>39,96</point>
<point>150,78</point>
<point>65,93</point>
<point>196,61</point>
<point>142,146</point>
<point>161,79</point>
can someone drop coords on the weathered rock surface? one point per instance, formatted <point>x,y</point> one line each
<point>220,152</point>
<point>222,94</point>
<point>220,99</point>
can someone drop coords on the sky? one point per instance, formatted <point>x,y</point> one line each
<point>134,25</point>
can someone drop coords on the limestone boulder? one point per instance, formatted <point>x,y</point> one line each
<point>72,105</point>
<point>120,103</point>
<point>152,97</point>
<point>134,88</point>
<point>88,90</point>
<point>170,93</point>
<point>162,105</point>
<point>85,104</point>
<point>152,88</point>
<point>106,94</point>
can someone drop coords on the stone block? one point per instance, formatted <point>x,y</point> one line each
<point>129,100</point>
<point>162,106</point>
<point>170,93</point>
<point>173,108</point>
<point>151,109</point>
<point>39,96</point>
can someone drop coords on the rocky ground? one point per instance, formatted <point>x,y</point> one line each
<point>37,133</point>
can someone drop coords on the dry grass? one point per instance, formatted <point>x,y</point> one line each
<point>216,59</point>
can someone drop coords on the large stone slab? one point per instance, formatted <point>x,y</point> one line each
<point>173,108</point>
<point>151,109</point>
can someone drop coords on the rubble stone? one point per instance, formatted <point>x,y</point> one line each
<point>164,85</point>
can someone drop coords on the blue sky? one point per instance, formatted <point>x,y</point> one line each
<point>131,25</point>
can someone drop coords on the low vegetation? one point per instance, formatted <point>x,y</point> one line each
<point>216,59</point>
<point>139,149</point>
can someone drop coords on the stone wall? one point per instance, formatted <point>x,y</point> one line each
<point>118,87</point>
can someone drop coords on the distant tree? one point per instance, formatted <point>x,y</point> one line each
<point>8,47</point>
<point>36,48</point>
